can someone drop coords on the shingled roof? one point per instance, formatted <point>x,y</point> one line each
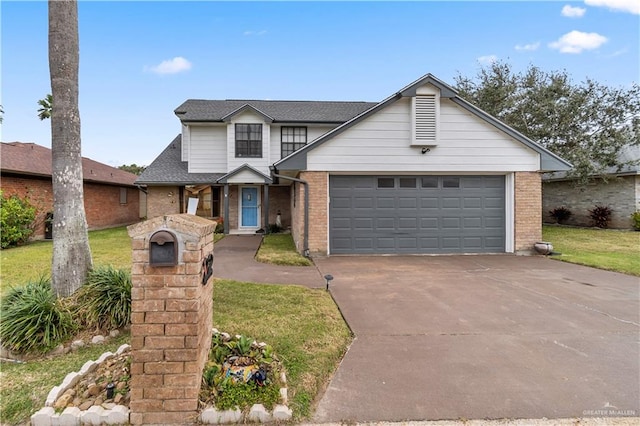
<point>197,110</point>
<point>168,169</point>
<point>35,160</point>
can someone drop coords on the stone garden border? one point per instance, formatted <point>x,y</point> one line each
<point>72,416</point>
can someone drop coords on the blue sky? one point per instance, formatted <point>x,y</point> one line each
<point>140,60</point>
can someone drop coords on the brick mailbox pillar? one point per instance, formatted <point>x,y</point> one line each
<point>171,316</point>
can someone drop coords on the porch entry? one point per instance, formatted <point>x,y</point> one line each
<point>249,207</point>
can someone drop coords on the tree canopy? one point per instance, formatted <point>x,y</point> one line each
<point>132,168</point>
<point>585,123</point>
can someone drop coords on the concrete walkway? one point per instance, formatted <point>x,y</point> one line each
<point>234,259</point>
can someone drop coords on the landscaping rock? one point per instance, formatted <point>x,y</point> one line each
<point>70,380</point>
<point>123,348</point>
<point>63,401</point>
<point>258,413</point>
<point>76,344</point>
<point>88,367</point>
<point>210,416</point>
<point>114,333</point>
<point>42,417</point>
<point>231,416</point>
<point>70,417</point>
<point>283,378</point>
<point>58,350</point>
<point>86,405</point>
<point>282,412</point>
<point>97,340</point>
<point>93,416</point>
<point>53,395</point>
<point>283,396</point>
<point>94,389</point>
<point>117,415</point>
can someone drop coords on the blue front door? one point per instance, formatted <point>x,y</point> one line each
<point>249,207</point>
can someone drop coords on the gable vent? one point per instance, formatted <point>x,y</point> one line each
<point>425,120</point>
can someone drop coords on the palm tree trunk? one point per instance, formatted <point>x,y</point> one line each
<point>71,253</point>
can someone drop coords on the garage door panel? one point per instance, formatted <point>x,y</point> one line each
<point>452,214</point>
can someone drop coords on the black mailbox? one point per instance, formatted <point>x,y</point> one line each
<point>163,249</point>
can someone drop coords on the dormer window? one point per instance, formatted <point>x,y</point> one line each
<point>248,140</point>
<point>425,108</point>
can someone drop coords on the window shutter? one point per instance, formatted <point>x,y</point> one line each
<point>426,125</point>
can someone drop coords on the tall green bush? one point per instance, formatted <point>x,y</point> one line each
<point>33,319</point>
<point>16,219</point>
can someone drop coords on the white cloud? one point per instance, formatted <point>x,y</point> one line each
<point>530,46</point>
<point>171,66</point>
<point>631,6</point>
<point>487,59</point>
<point>577,41</point>
<point>254,33</point>
<point>573,12</point>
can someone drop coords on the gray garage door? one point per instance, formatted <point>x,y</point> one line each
<point>416,214</point>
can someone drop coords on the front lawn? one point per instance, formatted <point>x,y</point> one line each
<point>303,325</point>
<point>279,249</point>
<point>27,263</point>
<point>613,250</point>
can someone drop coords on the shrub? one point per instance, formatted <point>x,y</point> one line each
<point>104,301</point>
<point>601,215</point>
<point>16,218</point>
<point>560,214</point>
<point>635,218</point>
<point>33,319</point>
<point>219,226</point>
<point>274,228</point>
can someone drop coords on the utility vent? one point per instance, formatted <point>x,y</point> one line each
<point>426,120</point>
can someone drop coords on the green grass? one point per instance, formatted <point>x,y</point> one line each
<point>20,265</point>
<point>303,325</point>
<point>25,386</point>
<point>609,249</point>
<point>279,249</point>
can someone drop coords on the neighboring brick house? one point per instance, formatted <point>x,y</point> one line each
<point>110,196</point>
<point>620,191</point>
<point>422,171</point>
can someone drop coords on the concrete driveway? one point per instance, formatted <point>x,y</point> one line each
<point>478,337</point>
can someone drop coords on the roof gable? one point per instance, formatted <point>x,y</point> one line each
<point>247,107</point>
<point>241,170</point>
<point>548,161</point>
<point>35,160</point>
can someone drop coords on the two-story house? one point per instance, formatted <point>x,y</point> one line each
<point>422,171</point>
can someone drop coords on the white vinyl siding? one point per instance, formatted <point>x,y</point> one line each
<point>246,176</point>
<point>185,143</point>
<point>313,132</point>
<point>382,142</point>
<point>208,149</point>
<point>262,163</point>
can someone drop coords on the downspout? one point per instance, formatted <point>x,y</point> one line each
<point>305,251</point>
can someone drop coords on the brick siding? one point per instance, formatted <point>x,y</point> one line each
<point>528,211</point>
<point>171,321</point>
<point>318,210</point>
<point>162,200</point>
<point>101,202</point>
<point>621,194</point>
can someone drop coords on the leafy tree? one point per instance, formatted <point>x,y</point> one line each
<point>587,123</point>
<point>1,114</point>
<point>46,106</point>
<point>133,168</point>
<point>71,252</point>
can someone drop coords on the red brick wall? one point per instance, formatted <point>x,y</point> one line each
<point>279,200</point>
<point>528,210</point>
<point>101,202</point>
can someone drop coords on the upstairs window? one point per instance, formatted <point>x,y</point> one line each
<point>292,138</point>
<point>249,140</point>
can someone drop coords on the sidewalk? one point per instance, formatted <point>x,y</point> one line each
<point>234,259</point>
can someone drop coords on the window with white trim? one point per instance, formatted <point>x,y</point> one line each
<point>248,140</point>
<point>292,139</point>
